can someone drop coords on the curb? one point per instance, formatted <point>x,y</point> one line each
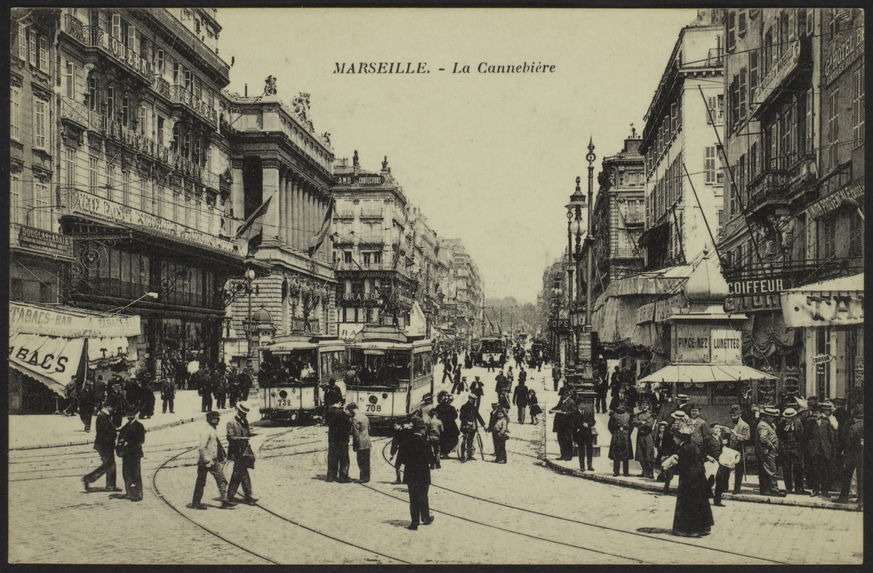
<point>90,441</point>
<point>659,489</point>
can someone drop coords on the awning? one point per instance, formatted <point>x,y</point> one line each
<point>52,360</point>
<point>705,373</point>
<point>290,346</point>
<point>834,302</point>
<point>48,342</point>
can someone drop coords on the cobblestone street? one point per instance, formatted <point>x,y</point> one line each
<point>302,519</point>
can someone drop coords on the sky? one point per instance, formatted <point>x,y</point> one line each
<point>490,159</point>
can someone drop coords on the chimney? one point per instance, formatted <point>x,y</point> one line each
<point>245,90</point>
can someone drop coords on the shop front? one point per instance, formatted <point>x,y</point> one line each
<point>829,317</point>
<point>52,349</point>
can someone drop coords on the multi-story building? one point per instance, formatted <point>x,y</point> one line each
<point>619,215</point>
<point>373,247</point>
<point>39,255</point>
<point>464,292</point>
<point>143,185</point>
<point>837,212</point>
<point>427,269</point>
<point>280,173</point>
<point>684,178</point>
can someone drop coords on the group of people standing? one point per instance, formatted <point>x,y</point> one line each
<point>125,441</point>
<point>89,398</point>
<point>219,382</point>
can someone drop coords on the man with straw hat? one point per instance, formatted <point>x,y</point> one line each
<point>768,448</point>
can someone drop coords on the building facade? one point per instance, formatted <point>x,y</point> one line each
<point>619,215</point>
<point>374,247</point>
<point>143,190</point>
<point>794,143</point>
<point>684,179</point>
<point>465,293</point>
<point>280,173</point>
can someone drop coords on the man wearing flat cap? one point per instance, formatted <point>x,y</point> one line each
<point>768,449</point>
<point>790,433</point>
<point>130,440</point>
<point>240,453</point>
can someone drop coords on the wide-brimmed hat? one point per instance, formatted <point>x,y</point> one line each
<point>770,411</point>
<point>789,413</point>
<point>828,405</point>
<point>241,407</point>
<point>682,396</point>
<point>351,406</point>
<point>685,431</point>
<point>679,415</point>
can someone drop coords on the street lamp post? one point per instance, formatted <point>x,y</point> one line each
<point>250,277</point>
<point>574,229</point>
<point>589,238</point>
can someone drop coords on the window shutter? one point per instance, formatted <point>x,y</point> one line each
<point>22,42</point>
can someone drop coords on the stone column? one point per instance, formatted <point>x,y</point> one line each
<point>296,198</point>
<point>289,206</point>
<point>280,197</point>
<point>237,194</point>
<point>270,186</point>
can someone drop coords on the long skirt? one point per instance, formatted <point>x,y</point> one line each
<point>693,513</point>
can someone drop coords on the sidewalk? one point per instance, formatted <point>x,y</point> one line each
<point>603,473</point>
<point>52,430</point>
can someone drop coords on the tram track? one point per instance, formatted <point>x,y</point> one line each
<point>579,522</point>
<point>265,509</point>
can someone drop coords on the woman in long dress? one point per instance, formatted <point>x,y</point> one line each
<point>693,517</point>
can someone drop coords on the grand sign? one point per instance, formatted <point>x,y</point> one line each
<point>92,205</point>
<point>834,200</point>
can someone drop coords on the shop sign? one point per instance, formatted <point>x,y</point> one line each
<point>583,347</point>
<point>690,343</point>
<point>786,64</point>
<point>754,295</point>
<point>646,313</point>
<point>833,201</point>
<point>348,330</point>
<point>71,324</point>
<point>45,241</point>
<point>54,358</point>
<point>727,346</point>
<point>93,205</point>
<point>801,309</point>
<point>822,358</point>
<point>843,53</point>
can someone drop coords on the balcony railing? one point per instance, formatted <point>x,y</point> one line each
<point>79,114</point>
<point>96,37</point>
<point>179,94</point>
<point>161,87</point>
<point>796,53</point>
<point>795,273</point>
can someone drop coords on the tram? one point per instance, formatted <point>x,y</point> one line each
<point>491,348</point>
<point>393,373</point>
<point>291,372</point>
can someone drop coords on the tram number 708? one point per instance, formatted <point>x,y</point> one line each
<point>374,407</point>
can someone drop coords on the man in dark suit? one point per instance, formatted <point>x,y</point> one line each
<point>470,417</point>
<point>130,440</point>
<point>582,425</point>
<point>821,442</point>
<point>104,443</point>
<point>561,425</point>
<point>520,397</point>
<point>417,459</point>
<point>339,429</point>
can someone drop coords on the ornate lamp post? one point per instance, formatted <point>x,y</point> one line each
<point>556,314</point>
<point>589,238</point>
<point>575,228</point>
